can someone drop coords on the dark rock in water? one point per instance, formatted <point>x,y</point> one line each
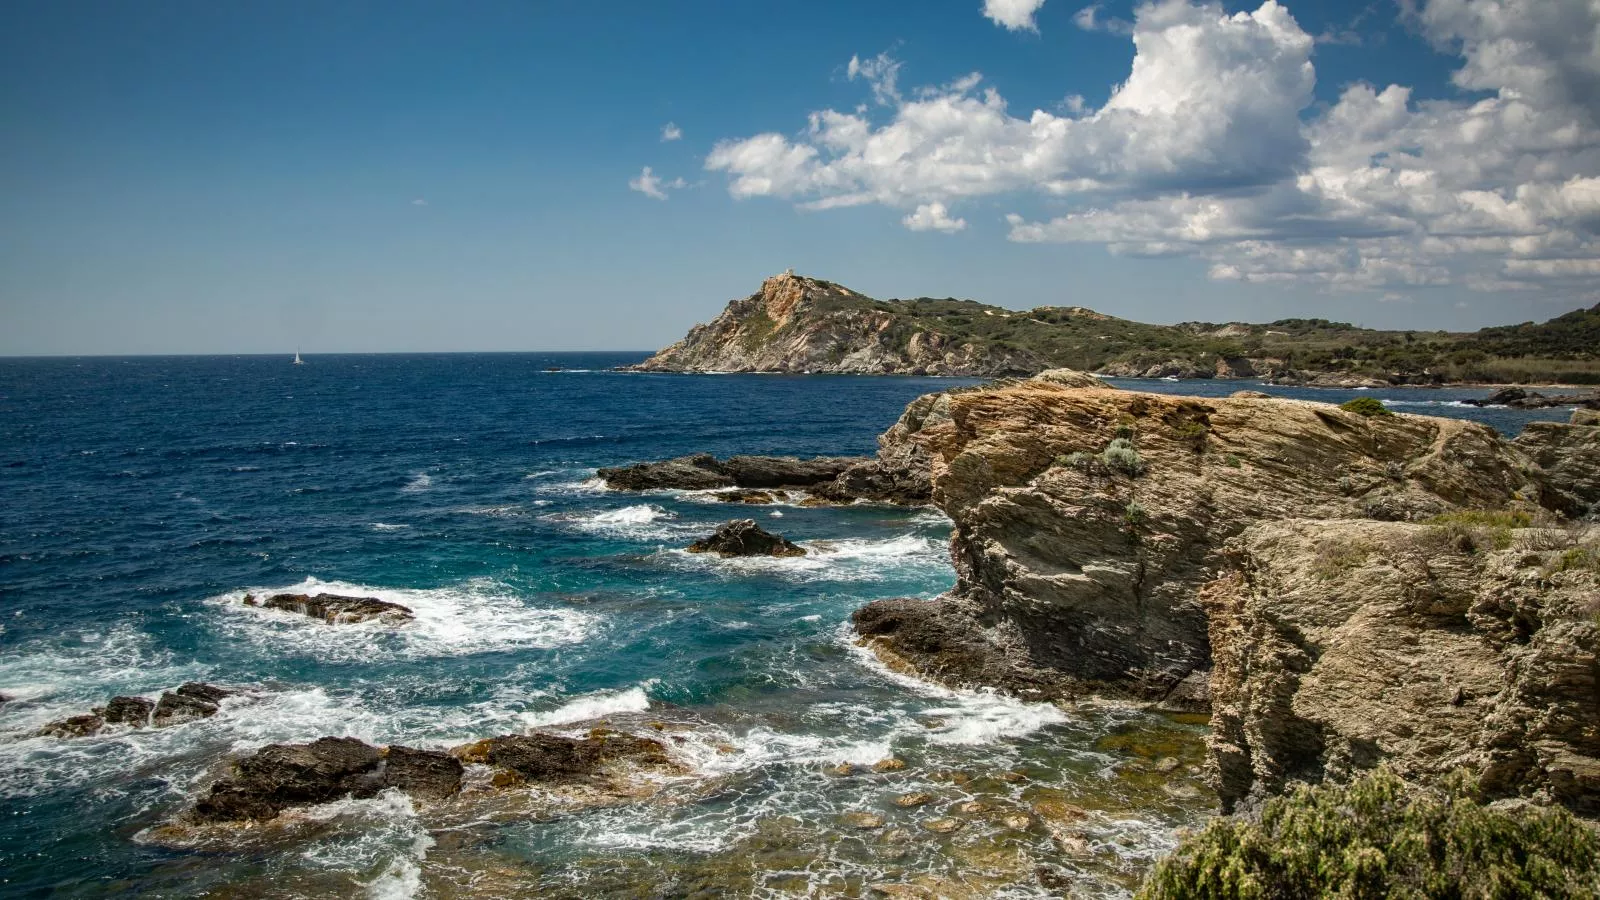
<point>554,759</point>
<point>77,726</point>
<point>133,711</point>
<point>937,640</point>
<point>1191,695</point>
<point>704,471</point>
<point>194,700</point>
<point>743,537</point>
<point>1518,398</point>
<point>279,776</point>
<point>428,774</point>
<point>336,610</point>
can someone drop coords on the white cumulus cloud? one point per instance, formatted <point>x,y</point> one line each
<point>1013,15</point>
<point>652,185</point>
<point>671,132</point>
<point>933,217</point>
<point>1211,148</point>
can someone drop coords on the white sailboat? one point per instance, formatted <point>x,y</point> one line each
<point>297,360</point>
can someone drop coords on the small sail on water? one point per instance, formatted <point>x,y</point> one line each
<point>297,360</point>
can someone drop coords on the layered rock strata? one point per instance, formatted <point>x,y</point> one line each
<point>1431,647</point>
<point>1086,519</point>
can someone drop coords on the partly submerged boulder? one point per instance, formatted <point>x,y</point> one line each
<point>281,776</point>
<point>193,700</point>
<point>553,759</point>
<point>749,495</point>
<point>703,471</point>
<point>743,537</point>
<point>335,609</point>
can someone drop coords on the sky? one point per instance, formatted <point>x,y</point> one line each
<point>246,177</point>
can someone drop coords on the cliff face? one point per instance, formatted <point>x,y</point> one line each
<point>798,324</point>
<point>1338,644</point>
<point>1088,518</point>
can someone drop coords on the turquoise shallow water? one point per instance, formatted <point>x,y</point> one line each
<point>143,497</point>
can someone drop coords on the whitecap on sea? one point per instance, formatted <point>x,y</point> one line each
<point>479,616</point>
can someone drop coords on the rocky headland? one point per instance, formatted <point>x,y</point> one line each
<point>1341,590</point>
<point>798,324</point>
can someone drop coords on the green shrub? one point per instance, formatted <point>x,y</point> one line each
<point>1077,459</point>
<point>1366,406</point>
<point>1193,433</point>
<point>1579,559</point>
<point>1120,456</point>
<point>1380,837</point>
<point>1233,461</point>
<point>1134,514</point>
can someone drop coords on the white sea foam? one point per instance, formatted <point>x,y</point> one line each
<point>851,559</point>
<point>419,482</point>
<point>597,705</point>
<point>641,522</point>
<point>385,526</point>
<point>479,616</point>
<point>967,716</point>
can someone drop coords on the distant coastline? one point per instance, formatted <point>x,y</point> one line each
<point>800,325</point>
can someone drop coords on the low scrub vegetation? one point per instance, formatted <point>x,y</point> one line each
<point>1366,406</point>
<point>1474,530</point>
<point>1380,837</point>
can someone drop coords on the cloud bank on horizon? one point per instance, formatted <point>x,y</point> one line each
<point>1212,148</point>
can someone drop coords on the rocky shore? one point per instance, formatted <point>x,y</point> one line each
<point>1342,591</point>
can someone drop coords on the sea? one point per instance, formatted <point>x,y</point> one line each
<point>142,498</point>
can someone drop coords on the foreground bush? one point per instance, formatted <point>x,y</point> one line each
<point>1381,837</point>
<point>1366,406</point>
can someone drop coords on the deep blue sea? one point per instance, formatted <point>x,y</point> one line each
<point>141,498</point>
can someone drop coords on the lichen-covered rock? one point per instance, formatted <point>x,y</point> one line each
<point>1340,644</point>
<point>335,609</point>
<point>1250,395</point>
<point>1087,519</point>
<point>743,537</point>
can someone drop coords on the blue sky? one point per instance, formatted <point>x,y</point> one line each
<point>252,177</point>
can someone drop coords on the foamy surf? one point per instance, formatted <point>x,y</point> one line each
<point>850,559</point>
<point>419,482</point>
<point>593,706</point>
<point>480,616</point>
<point>640,522</point>
<point>965,716</point>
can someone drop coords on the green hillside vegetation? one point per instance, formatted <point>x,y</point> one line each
<point>1565,349</point>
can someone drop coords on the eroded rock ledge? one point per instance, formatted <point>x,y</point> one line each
<point>1088,518</point>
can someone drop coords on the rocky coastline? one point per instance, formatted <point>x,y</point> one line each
<point>1338,591</point>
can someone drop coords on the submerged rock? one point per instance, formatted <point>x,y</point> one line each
<point>193,700</point>
<point>335,609</point>
<point>743,537</point>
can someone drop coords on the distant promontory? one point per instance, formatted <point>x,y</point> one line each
<point>797,324</point>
